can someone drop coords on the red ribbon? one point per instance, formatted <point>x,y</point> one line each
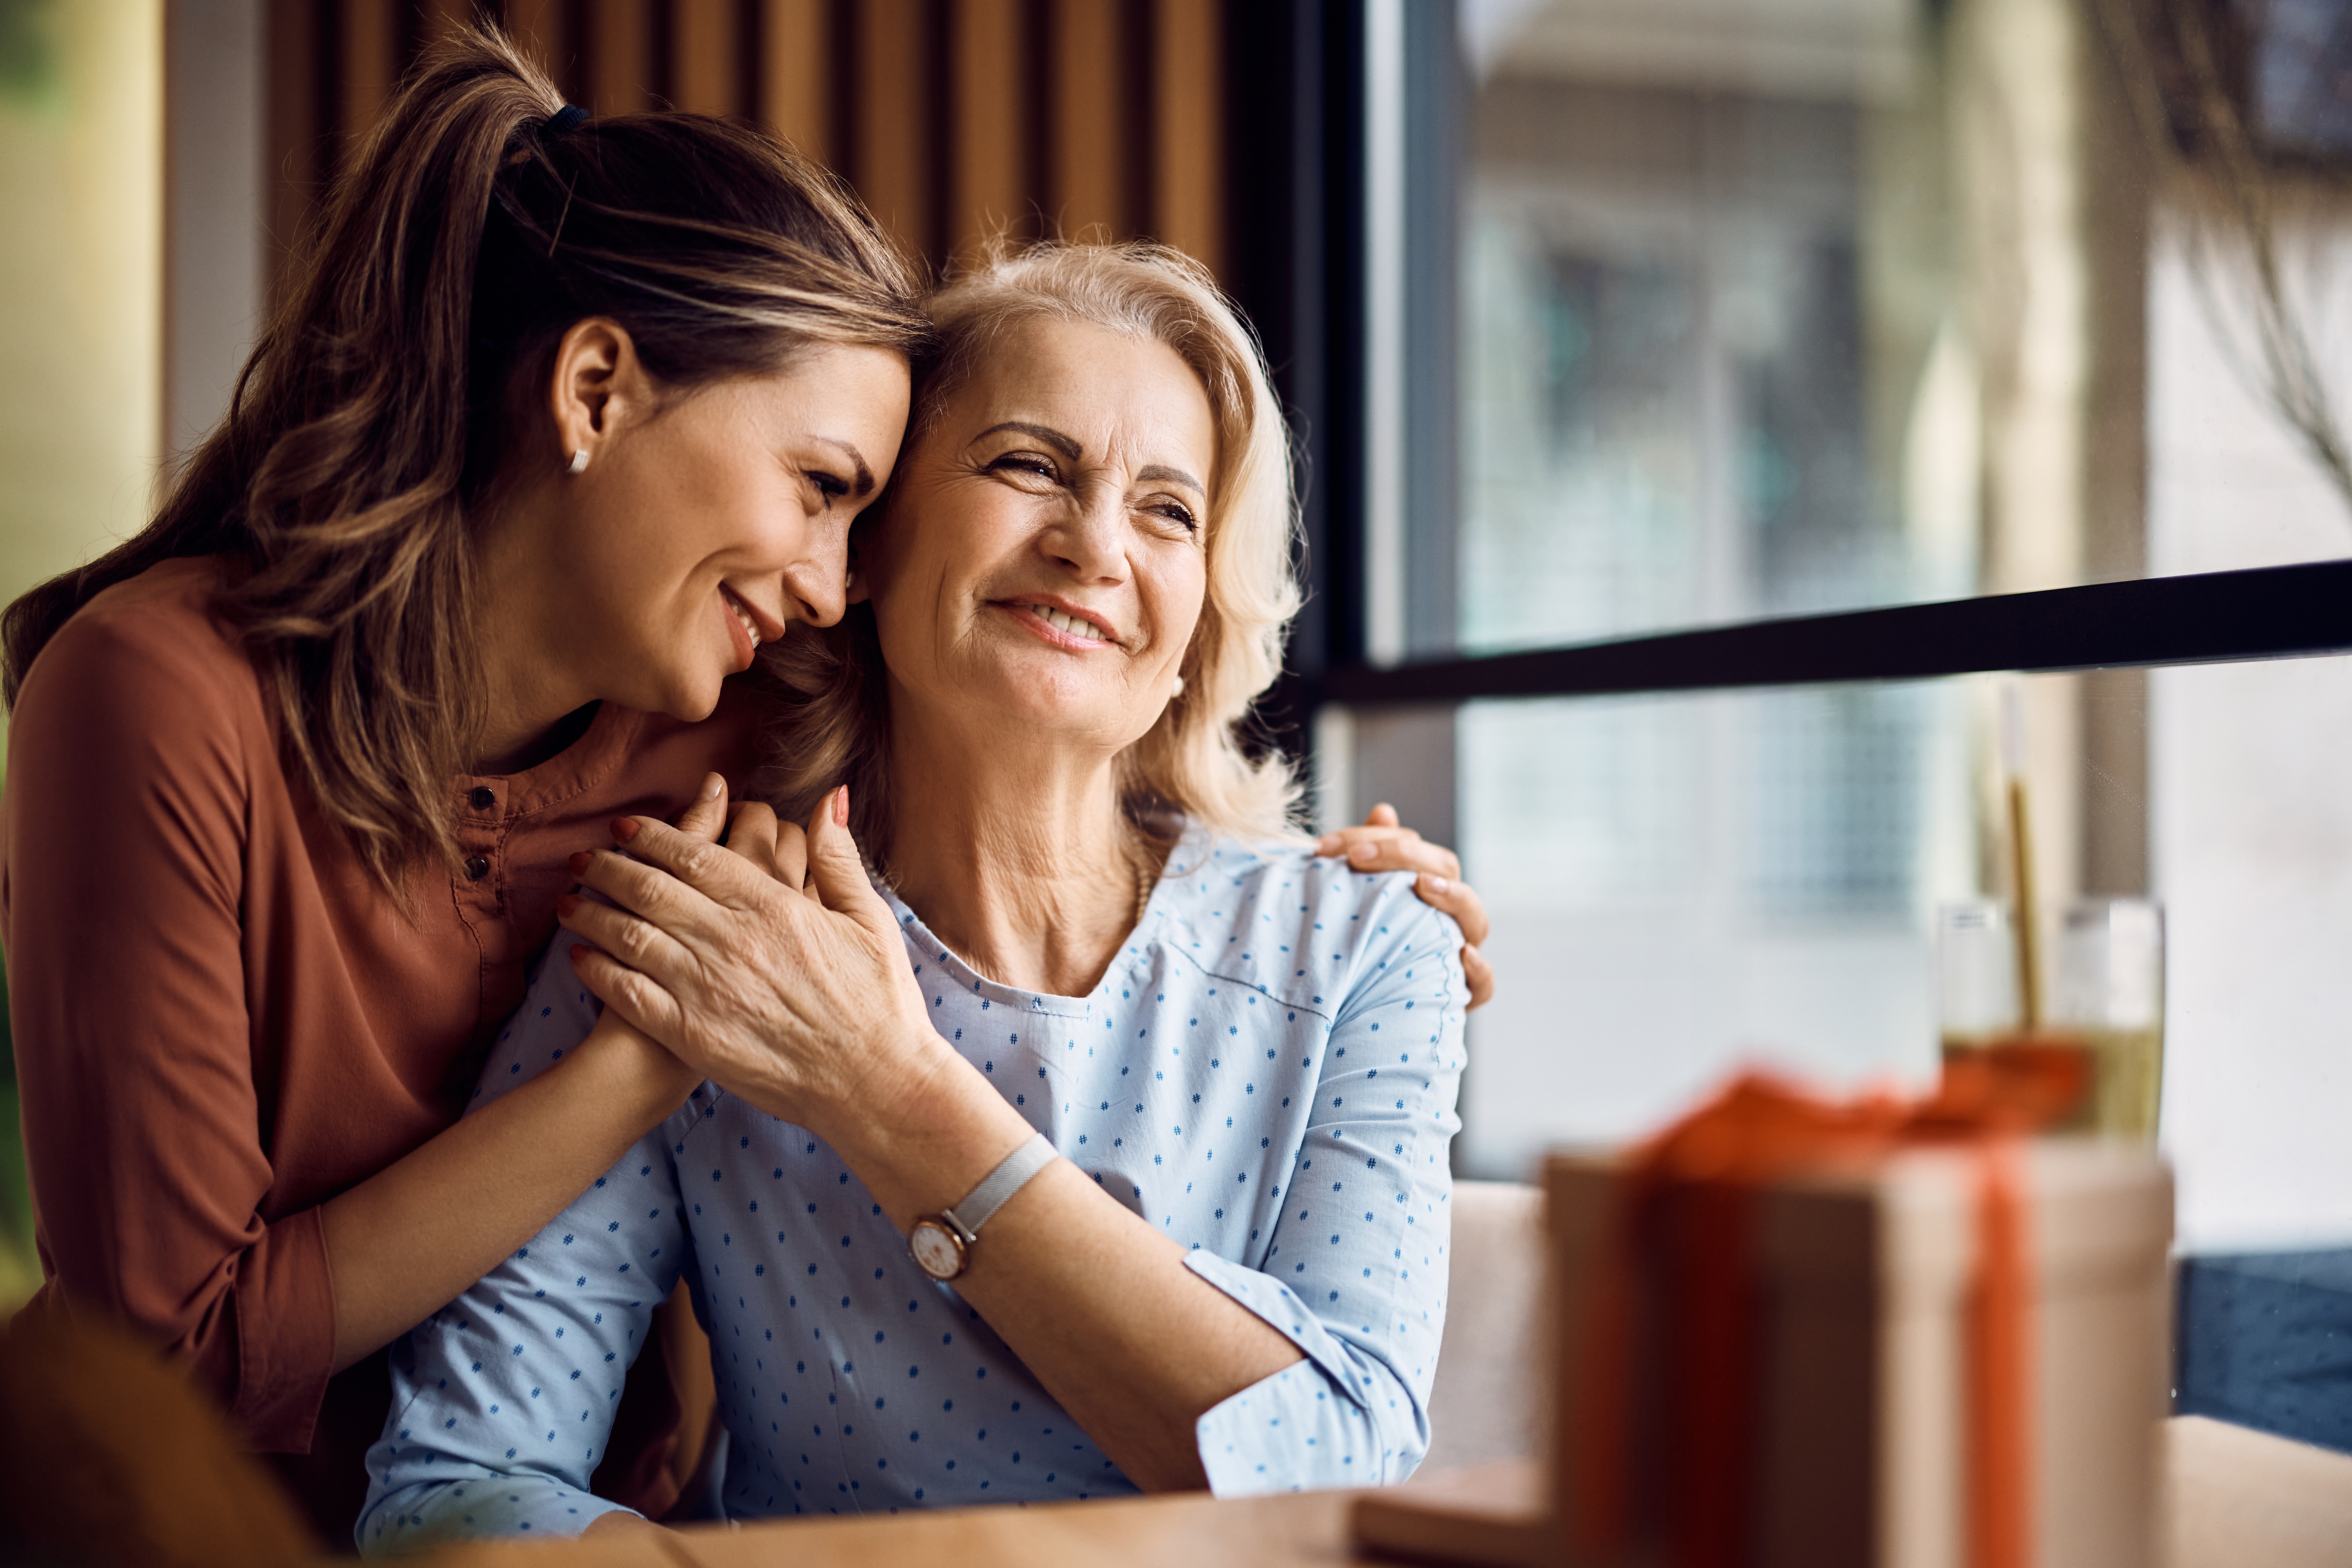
<point>1684,1229</point>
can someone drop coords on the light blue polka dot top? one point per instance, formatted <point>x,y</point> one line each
<point>1267,1073</point>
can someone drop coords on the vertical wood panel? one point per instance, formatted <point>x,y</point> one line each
<point>705,39</point>
<point>1088,151</point>
<point>954,119</point>
<point>892,120</point>
<point>1188,92</point>
<point>795,74</point>
<point>620,56</point>
<point>296,132</point>
<point>436,19</point>
<point>370,48</point>
<point>539,27</point>
<point>989,88</point>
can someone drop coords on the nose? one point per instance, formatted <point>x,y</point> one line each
<point>1091,539</point>
<point>816,585</point>
<point>817,591</point>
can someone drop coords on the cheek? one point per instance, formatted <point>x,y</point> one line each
<point>1176,594</point>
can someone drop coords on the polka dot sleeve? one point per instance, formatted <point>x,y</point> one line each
<point>502,1402</point>
<point>1356,1277</point>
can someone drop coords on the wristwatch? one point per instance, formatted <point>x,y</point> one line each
<point>941,1244</point>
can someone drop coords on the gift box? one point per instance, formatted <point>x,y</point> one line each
<point>1792,1334</point>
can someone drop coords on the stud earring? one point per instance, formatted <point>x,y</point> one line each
<point>1177,690</point>
<point>578,463</point>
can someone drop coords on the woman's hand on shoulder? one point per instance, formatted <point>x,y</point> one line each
<point>1381,844</point>
<point>767,964</point>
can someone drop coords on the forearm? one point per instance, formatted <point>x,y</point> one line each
<point>1100,1307</point>
<point>1097,1304</point>
<point>414,1236</point>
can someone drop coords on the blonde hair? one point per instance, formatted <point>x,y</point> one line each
<point>1193,761</point>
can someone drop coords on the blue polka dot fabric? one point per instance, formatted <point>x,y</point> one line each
<point>1266,1074</point>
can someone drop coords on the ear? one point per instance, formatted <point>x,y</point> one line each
<point>598,385</point>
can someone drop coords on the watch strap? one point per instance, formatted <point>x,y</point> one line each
<point>1009,1177</point>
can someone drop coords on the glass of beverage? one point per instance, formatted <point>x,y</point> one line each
<point>1976,976</point>
<point>2108,989</point>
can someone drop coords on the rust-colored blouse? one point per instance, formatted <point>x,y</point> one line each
<point>221,1022</point>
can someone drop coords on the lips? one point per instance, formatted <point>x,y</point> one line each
<point>1070,624</point>
<point>743,618</point>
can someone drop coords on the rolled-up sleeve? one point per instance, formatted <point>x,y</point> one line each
<point>126,820</point>
<point>1355,1274</point>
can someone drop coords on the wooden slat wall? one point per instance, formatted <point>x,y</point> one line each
<point>955,119</point>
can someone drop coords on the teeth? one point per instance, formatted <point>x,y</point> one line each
<point>750,629</point>
<point>1074,625</point>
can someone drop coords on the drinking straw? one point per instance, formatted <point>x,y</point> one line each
<point>2020,857</point>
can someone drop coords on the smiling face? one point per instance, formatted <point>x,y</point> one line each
<point>706,522</point>
<point>1042,564</point>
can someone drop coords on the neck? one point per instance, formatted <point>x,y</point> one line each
<point>1017,856</point>
<point>531,693</point>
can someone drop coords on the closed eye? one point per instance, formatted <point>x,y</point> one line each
<point>1176,511</point>
<point>1035,463</point>
<point>832,487</point>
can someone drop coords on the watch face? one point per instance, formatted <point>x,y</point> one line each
<point>935,1249</point>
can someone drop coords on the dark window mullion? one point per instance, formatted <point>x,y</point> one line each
<point>2212,617</point>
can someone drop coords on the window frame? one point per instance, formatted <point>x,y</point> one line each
<point>1298,151</point>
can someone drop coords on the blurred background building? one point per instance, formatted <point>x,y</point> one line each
<point>1598,319</point>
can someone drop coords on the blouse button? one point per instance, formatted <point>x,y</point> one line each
<point>484,797</point>
<point>476,869</point>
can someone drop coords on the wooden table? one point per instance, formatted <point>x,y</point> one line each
<point>2234,1498</point>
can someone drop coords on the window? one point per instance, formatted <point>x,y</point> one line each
<point>1797,376</point>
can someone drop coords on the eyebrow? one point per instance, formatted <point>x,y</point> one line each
<point>1046,433</point>
<point>1162,474</point>
<point>1159,473</point>
<point>864,485</point>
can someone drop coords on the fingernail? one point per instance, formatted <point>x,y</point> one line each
<point>841,806</point>
<point>1327,845</point>
<point>624,829</point>
<point>713,787</point>
<point>1437,885</point>
<point>1365,852</point>
<point>565,906</point>
<point>579,952</point>
<point>581,862</point>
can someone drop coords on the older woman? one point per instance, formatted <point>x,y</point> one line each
<point>1099,1142</point>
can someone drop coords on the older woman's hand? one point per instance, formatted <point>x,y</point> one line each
<point>767,963</point>
<point>1381,845</point>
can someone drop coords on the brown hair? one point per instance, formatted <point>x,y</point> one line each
<point>833,724</point>
<point>401,375</point>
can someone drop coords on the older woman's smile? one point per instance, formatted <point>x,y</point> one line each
<point>1061,623</point>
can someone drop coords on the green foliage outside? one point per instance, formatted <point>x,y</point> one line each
<point>28,64</point>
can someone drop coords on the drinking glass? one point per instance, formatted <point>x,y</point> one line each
<point>2103,1007</point>
<point>2108,988</point>
<point>1976,974</point>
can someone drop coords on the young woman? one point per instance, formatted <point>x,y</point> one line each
<point>564,419</point>
<point>1220,1070</point>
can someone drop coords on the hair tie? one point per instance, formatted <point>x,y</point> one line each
<point>563,119</point>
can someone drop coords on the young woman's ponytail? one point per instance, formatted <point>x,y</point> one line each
<point>478,222</point>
